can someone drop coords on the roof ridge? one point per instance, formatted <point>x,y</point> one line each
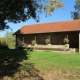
<point>49,23</point>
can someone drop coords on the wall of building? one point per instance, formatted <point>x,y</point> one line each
<point>41,38</point>
<point>55,38</point>
<point>74,39</point>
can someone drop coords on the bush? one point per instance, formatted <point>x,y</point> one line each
<point>33,42</point>
<point>66,40</point>
<point>3,45</point>
<point>47,41</point>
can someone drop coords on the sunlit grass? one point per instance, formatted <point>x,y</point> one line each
<point>51,60</point>
<point>56,62</point>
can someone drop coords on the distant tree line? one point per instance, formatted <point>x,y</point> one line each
<point>8,41</point>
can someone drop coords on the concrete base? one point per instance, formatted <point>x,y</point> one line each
<point>35,44</point>
<point>67,46</point>
<point>73,50</point>
<point>48,44</point>
<point>55,48</point>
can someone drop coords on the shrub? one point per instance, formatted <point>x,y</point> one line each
<point>66,40</point>
<point>47,41</point>
<point>3,45</point>
<point>33,42</point>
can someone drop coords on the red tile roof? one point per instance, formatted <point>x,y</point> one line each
<point>72,25</point>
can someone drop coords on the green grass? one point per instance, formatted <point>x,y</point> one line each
<point>48,60</point>
<point>25,65</point>
<point>55,62</point>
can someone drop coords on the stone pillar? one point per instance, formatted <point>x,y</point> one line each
<point>35,37</point>
<point>35,40</point>
<point>23,39</point>
<point>49,39</point>
<point>67,46</point>
<point>79,42</point>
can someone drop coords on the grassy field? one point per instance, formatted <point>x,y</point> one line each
<point>65,66</point>
<point>38,65</point>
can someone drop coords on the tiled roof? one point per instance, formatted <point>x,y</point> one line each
<point>72,25</point>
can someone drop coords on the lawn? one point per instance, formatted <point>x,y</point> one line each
<point>65,66</point>
<point>38,65</point>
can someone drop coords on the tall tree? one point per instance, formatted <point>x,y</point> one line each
<point>10,40</point>
<point>21,10</point>
<point>76,13</point>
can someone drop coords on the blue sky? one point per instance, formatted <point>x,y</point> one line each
<point>61,14</point>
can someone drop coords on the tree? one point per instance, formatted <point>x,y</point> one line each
<point>76,13</point>
<point>10,40</point>
<point>3,44</point>
<point>21,10</point>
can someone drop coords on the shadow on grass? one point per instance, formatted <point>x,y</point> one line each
<point>13,63</point>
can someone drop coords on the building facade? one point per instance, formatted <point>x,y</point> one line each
<point>55,31</point>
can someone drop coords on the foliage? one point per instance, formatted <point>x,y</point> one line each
<point>66,40</point>
<point>47,41</point>
<point>3,45</point>
<point>21,43</point>
<point>16,11</point>
<point>76,13</point>
<point>33,42</point>
<point>2,39</point>
<point>8,40</point>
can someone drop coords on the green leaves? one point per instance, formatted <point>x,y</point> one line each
<point>66,40</point>
<point>10,40</point>
<point>76,13</point>
<point>33,42</point>
<point>21,10</point>
<point>47,41</point>
<point>52,5</point>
